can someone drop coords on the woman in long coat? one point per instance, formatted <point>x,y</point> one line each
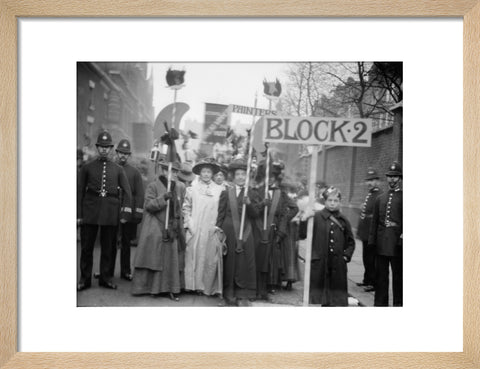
<point>203,260</point>
<point>332,248</point>
<point>239,273</point>
<point>268,254</point>
<point>157,264</point>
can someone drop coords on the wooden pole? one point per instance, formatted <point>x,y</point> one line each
<point>247,181</point>
<point>267,180</point>
<point>170,162</point>
<point>267,175</point>
<point>308,250</point>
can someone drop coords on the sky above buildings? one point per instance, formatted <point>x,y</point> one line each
<point>220,83</point>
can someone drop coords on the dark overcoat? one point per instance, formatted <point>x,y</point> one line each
<point>157,262</point>
<point>136,186</point>
<point>387,223</point>
<point>98,197</point>
<point>268,241</point>
<point>328,276</point>
<point>289,244</point>
<point>238,267</point>
<point>366,213</point>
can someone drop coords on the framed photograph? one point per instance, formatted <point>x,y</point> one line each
<point>72,81</point>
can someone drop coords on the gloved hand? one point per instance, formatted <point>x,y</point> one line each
<point>279,237</point>
<point>266,202</point>
<point>168,196</point>
<point>137,217</point>
<point>246,200</point>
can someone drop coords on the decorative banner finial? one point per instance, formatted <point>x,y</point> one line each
<point>273,89</point>
<point>175,78</point>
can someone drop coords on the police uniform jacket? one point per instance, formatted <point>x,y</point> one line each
<point>136,186</point>
<point>98,200</point>
<point>387,223</point>
<point>366,214</point>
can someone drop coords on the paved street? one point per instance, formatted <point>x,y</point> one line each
<point>97,296</point>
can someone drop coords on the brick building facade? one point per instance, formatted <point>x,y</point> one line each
<point>345,167</point>
<point>116,97</point>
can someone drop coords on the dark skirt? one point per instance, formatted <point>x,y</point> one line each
<point>148,281</point>
<point>239,272</point>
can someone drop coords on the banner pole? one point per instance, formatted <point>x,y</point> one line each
<point>169,177</point>
<point>308,245</point>
<point>249,163</point>
<point>267,174</point>
<point>267,180</point>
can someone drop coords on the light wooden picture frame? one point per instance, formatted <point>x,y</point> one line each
<point>11,9</point>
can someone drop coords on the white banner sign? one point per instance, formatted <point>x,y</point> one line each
<point>318,130</point>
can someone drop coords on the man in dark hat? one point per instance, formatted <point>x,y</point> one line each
<point>363,229</point>
<point>128,230</point>
<point>239,273</point>
<point>185,175</point>
<point>386,235</point>
<point>99,206</point>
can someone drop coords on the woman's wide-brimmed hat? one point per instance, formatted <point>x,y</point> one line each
<point>206,163</point>
<point>185,173</point>
<point>237,164</point>
<point>276,168</point>
<point>224,169</point>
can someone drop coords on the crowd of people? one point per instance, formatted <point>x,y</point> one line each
<point>220,230</point>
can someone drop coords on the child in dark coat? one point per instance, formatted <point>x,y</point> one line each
<point>332,248</point>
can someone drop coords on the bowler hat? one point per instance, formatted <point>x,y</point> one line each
<point>206,163</point>
<point>185,174</point>
<point>124,147</point>
<point>371,174</point>
<point>394,170</point>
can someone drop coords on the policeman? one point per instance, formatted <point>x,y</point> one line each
<point>98,206</point>
<point>366,214</point>
<point>386,234</point>
<point>128,230</point>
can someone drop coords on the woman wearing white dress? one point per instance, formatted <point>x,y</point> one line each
<point>203,256</point>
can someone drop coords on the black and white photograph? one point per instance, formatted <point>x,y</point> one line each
<point>240,184</point>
